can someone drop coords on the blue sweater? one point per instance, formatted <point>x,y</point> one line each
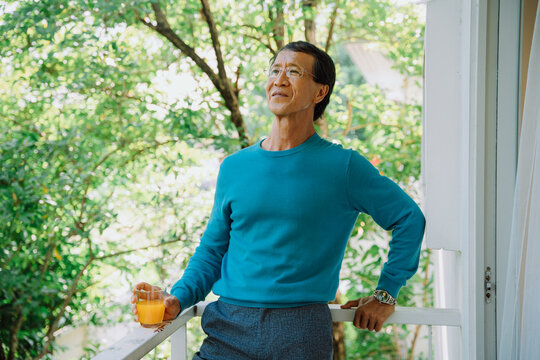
<point>281,221</point>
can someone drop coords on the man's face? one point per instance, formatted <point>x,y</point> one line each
<point>293,96</point>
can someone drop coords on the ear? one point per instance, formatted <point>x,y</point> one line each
<point>321,93</point>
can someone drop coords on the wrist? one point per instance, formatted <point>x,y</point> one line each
<point>384,297</point>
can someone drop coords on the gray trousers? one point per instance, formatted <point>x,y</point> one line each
<point>237,333</point>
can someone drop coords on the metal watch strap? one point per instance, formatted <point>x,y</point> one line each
<point>384,297</point>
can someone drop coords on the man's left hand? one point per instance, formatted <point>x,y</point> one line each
<point>370,314</point>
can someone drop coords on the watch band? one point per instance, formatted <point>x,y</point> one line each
<point>384,297</point>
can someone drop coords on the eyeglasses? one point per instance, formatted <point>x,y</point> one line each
<point>292,72</point>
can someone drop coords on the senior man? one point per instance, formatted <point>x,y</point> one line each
<point>283,212</point>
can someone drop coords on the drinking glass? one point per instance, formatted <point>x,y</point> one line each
<point>150,307</point>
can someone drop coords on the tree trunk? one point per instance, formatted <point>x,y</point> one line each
<point>339,334</point>
<point>309,8</point>
<point>279,24</point>
<point>13,336</point>
<point>220,79</point>
<point>332,25</point>
<point>231,101</point>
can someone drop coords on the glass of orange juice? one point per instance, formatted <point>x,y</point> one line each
<point>150,307</point>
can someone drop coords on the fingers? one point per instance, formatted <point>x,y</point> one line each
<point>355,303</point>
<point>172,307</point>
<point>373,324</point>
<point>149,292</point>
<point>170,301</point>
<point>134,311</point>
<point>371,314</point>
<point>363,320</point>
<point>350,304</point>
<point>364,300</point>
<point>144,286</point>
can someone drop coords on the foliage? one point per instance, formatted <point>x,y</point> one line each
<point>108,121</point>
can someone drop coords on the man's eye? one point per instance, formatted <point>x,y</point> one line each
<point>274,71</point>
<point>295,72</point>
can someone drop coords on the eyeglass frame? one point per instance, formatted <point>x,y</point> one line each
<point>287,72</point>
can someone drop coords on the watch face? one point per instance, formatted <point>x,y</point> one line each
<point>384,297</point>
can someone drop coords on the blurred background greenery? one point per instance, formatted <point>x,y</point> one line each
<point>114,117</point>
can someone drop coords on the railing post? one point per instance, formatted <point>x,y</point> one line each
<point>179,344</point>
<point>430,342</point>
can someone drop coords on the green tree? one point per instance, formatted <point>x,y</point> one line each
<point>86,118</point>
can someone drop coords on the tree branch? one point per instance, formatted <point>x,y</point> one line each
<point>78,223</point>
<point>13,338</point>
<point>278,25</point>
<point>20,319</point>
<point>308,9</point>
<point>163,28</point>
<point>31,127</point>
<point>349,118</point>
<point>220,80</point>
<point>260,39</point>
<point>48,257</point>
<point>215,39</point>
<point>9,235</point>
<point>332,24</point>
<point>73,290</point>
<point>236,87</point>
<point>67,300</point>
<point>229,94</point>
<point>142,101</point>
<point>178,239</point>
<point>145,148</point>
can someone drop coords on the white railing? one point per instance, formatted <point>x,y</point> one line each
<point>141,341</point>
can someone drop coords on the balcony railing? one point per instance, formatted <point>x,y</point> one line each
<point>141,341</point>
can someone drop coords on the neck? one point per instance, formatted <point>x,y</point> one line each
<point>287,134</point>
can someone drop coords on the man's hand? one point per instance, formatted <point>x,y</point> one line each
<point>370,314</point>
<point>171,302</point>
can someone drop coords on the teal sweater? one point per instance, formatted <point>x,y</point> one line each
<point>281,221</point>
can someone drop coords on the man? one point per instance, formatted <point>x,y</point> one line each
<point>283,212</point>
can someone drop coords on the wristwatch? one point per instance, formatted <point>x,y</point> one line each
<point>384,297</point>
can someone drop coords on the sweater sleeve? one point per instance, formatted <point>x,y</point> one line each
<point>204,267</point>
<point>393,210</point>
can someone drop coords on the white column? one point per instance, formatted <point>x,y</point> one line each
<point>179,344</point>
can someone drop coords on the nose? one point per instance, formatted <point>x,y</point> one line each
<point>282,78</point>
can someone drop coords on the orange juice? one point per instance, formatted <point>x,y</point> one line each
<point>150,312</point>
